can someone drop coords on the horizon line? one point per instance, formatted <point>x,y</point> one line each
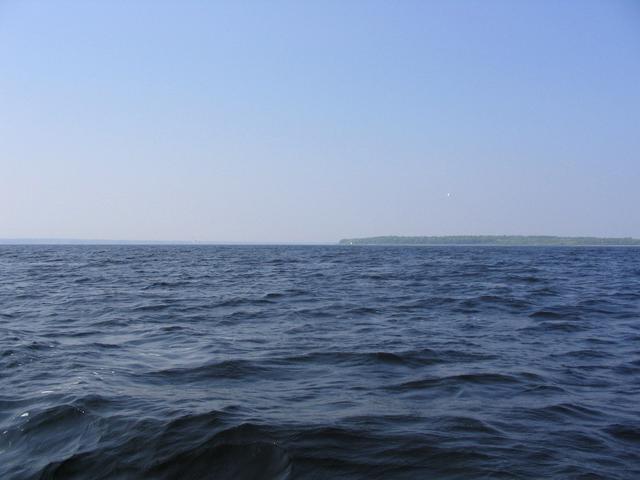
<point>104,241</point>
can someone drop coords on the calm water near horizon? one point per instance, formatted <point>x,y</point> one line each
<point>314,362</point>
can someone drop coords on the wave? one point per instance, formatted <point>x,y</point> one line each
<point>319,362</point>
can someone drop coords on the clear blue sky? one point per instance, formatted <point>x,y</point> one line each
<point>311,121</point>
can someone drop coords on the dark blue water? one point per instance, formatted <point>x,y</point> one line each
<point>319,362</point>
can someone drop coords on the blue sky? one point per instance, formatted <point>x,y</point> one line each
<point>313,121</point>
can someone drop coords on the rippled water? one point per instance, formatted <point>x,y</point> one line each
<point>319,362</point>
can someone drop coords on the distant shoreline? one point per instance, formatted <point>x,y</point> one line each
<point>495,240</point>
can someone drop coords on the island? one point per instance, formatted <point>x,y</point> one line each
<point>495,240</point>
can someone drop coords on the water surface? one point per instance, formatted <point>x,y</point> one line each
<point>319,362</point>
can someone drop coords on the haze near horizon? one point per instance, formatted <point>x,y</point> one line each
<point>302,122</point>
